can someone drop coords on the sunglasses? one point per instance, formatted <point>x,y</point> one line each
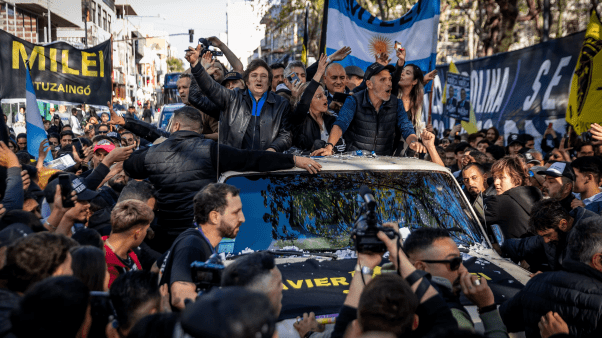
<point>454,263</point>
<point>103,132</point>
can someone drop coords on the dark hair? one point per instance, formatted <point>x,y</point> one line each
<point>387,304</point>
<point>590,165</point>
<point>189,116</point>
<point>185,76</point>
<point>527,137</point>
<point>546,214</point>
<point>417,93</point>
<point>35,257</point>
<point>66,132</point>
<point>23,157</point>
<point>422,239</point>
<point>451,148</point>
<point>56,306</point>
<point>478,156</point>
<point>158,325</point>
<point>89,266</point>
<point>130,292</point>
<point>23,217</point>
<point>246,269</point>
<point>578,146</point>
<point>475,165</point>
<point>461,147</point>
<point>497,132</point>
<point>21,135</point>
<point>89,237</point>
<point>473,137</point>
<point>514,166</point>
<point>54,135</point>
<point>137,190</point>
<point>31,171</point>
<point>241,314</point>
<point>212,198</point>
<point>129,214</point>
<point>277,65</point>
<point>585,240</point>
<point>73,110</point>
<point>496,151</point>
<point>103,125</point>
<point>484,141</point>
<point>253,66</point>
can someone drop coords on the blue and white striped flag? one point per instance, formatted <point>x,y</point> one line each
<point>35,127</point>
<point>351,25</point>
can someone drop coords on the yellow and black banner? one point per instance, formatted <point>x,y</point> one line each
<point>59,71</point>
<point>585,98</point>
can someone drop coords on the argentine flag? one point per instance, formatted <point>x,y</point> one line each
<point>35,127</point>
<point>351,25</point>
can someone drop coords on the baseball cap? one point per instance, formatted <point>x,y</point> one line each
<point>515,138</point>
<point>13,232</point>
<point>376,68</point>
<point>114,135</point>
<point>354,70</point>
<point>82,192</point>
<point>105,145</point>
<point>558,169</point>
<point>231,76</point>
<point>530,159</point>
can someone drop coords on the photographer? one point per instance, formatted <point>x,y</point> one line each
<point>218,214</point>
<point>381,301</point>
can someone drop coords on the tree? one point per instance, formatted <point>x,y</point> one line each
<point>174,65</point>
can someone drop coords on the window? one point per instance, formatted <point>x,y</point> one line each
<point>93,12</point>
<point>99,15</point>
<point>104,20</point>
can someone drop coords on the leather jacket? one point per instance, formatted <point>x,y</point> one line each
<point>236,107</point>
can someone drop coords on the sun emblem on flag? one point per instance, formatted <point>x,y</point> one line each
<point>380,44</point>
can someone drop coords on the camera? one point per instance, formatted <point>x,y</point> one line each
<point>207,274</point>
<point>208,47</point>
<point>367,226</point>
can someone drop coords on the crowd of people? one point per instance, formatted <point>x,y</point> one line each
<point>100,241</point>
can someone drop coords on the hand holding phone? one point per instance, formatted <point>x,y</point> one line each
<point>293,78</point>
<point>66,189</point>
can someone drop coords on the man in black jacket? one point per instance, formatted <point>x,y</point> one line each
<point>186,162</point>
<point>575,293</point>
<point>254,119</point>
<point>553,225</point>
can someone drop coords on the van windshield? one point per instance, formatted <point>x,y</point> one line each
<point>317,212</point>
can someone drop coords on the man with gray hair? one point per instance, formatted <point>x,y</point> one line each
<point>575,293</point>
<point>291,88</point>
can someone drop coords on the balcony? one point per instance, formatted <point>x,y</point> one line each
<point>65,13</point>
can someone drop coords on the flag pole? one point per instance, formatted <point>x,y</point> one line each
<point>324,26</point>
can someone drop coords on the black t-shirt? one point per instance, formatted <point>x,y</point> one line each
<point>190,246</point>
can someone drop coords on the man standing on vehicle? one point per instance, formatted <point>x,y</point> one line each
<point>367,118</point>
<point>254,119</point>
<point>186,162</point>
<point>433,250</point>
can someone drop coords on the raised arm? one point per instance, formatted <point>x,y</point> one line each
<point>217,93</point>
<point>232,59</point>
<point>201,102</point>
<point>140,128</point>
<point>302,107</point>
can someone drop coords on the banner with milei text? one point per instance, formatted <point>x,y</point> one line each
<point>59,71</point>
<point>521,91</point>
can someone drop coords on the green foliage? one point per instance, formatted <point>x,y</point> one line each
<point>174,65</point>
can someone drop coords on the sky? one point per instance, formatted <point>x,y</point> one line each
<point>206,17</point>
